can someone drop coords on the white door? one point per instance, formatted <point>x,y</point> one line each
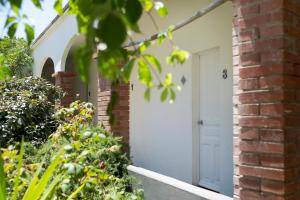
<point>209,119</point>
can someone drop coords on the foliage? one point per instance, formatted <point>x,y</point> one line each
<point>92,161</point>
<point>27,106</point>
<point>17,56</point>
<point>38,186</point>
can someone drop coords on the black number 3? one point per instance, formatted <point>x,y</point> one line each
<point>224,74</point>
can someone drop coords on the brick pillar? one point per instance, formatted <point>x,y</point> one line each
<point>266,51</point>
<point>121,110</point>
<point>65,80</point>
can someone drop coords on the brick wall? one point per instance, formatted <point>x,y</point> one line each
<point>65,80</point>
<point>266,51</point>
<point>121,110</point>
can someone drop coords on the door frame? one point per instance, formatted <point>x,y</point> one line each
<point>224,176</point>
<point>196,113</point>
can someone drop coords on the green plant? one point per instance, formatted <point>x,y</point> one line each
<point>42,185</point>
<point>27,106</point>
<point>17,56</point>
<point>92,158</point>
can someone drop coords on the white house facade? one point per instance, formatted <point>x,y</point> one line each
<point>213,138</point>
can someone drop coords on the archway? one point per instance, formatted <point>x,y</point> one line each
<point>48,71</point>
<point>87,92</point>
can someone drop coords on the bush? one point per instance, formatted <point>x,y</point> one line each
<point>17,56</point>
<point>92,161</point>
<point>27,106</point>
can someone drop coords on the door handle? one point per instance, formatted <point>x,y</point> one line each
<point>200,122</point>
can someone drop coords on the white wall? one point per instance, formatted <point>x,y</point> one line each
<point>161,135</point>
<point>159,187</point>
<point>55,44</point>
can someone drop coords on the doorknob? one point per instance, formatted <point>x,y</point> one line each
<point>200,122</point>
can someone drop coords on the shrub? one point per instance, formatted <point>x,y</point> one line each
<point>27,106</point>
<point>92,159</point>
<point>17,55</point>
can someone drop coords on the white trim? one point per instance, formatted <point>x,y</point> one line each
<point>197,191</point>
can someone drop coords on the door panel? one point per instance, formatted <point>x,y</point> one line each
<point>209,124</point>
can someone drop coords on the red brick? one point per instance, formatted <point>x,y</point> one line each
<point>272,135</point>
<point>249,134</point>
<point>271,31</point>
<point>249,159</point>
<point>263,172</point>
<point>268,160</point>
<point>275,187</point>
<point>271,5</point>
<point>248,84</point>
<point>250,59</point>
<point>248,10</point>
<point>249,109</point>
<point>250,183</point>
<point>272,57</point>
<point>261,96</point>
<point>267,82</point>
<point>262,147</point>
<point>249,35</point>
<point>257,71</point>
<point>272,109</point>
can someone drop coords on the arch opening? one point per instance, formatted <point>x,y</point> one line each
<point>48,71</point>
<point>87,92</point>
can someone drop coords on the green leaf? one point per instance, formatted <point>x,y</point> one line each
<point>2,180</point>
<point>18,170</point>
<point>168,80</point>
<point>37,3</point>
<point>109,63</point>
<point>16,5</point>
<point>144,46</point>
<point>29,33</point>
<point>177,56</point>
<point>134,10</point>
<point>37,187</point>
<point>144,73</point>
<point>49,192</point>
<point>73,195</point>
<point>147,94</point>
<point>164,95</point>
<point>9,20</point>
<point>58,7</point>
<point>172,95</point>
<point>128,69</point>
<point>154,61</point>
<point>113,31</point>
<point>12,30</point>
<point>161,38</point>
<point>148,5</point>
<point>161,9</point>
<point>5,72</point>
<point>83,57</point>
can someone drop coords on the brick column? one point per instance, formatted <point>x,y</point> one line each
<point>121,110</point>
<point>266,43</point>
<point>65,80</point>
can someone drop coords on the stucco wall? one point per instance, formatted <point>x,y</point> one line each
<point>161,135</point>
<point>55,44</point>
<point>159,187</point>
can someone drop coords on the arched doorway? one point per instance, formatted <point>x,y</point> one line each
<point>48,71</point>
<point>87,92</point>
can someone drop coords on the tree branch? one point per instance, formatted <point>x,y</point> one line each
<point>196,15</point>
